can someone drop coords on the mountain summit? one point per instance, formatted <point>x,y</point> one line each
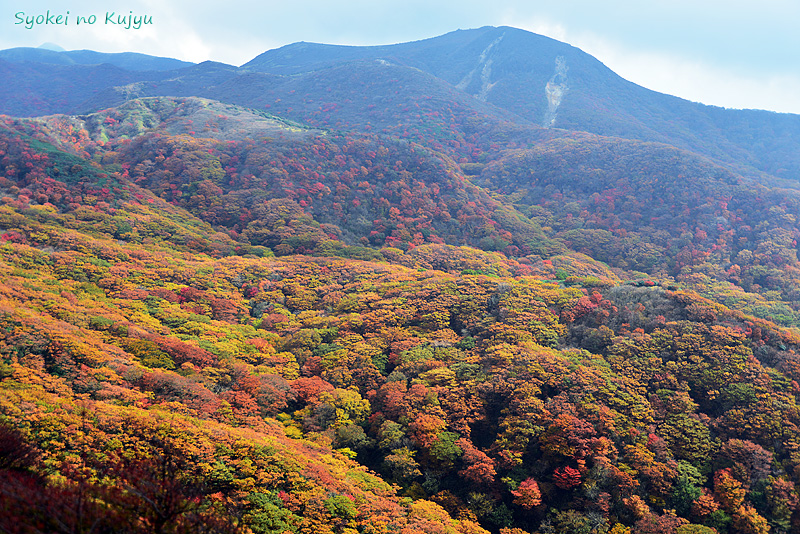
<point>553,84</point>
<point>51,46</point>
<point>489,63</point>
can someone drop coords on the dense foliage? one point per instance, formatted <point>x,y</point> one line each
<point>214,319</point>
<point>509,401</point>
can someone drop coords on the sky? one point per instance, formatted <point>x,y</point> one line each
<point>729,53</point>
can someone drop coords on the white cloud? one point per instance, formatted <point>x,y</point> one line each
<point>544,27</point>
<point>708,84</point>
<point>700,81</point>
<point>681,76</point>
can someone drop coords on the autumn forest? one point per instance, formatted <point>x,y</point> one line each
<point>360,297</point>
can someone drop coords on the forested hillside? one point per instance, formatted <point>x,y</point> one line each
<point>385,305</point>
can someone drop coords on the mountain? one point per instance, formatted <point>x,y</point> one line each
<point>394,289</point>
<point>124,60</point>
<point>539,80</point>
<point>42,88</point>
<point>51,46</point>
<point>556,85</point>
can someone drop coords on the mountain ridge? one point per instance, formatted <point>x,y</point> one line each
<point>125,60</point>
<point>515,70</point>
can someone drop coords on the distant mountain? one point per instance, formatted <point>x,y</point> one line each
<point>32,89</point>
<point>534,80</point>
<point>123,60</point>
<point>553,84</point>
<point>40,81</point>
<point>51,46</point>
<point>196,80</point>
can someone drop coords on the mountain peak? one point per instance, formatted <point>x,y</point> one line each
<point>51,46</point>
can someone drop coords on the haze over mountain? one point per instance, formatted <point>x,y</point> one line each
<point>556,85</point>
<point>476,283</point>
<point>539,80</point>
<point>125,60</point>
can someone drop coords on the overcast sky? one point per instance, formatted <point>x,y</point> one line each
<point>731,53</point>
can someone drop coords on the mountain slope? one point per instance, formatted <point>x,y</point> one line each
<point>146,359</point>
<point>41,89</point>
<point>202,155</point>
<point>637,206</point>
<point>554,84</point>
